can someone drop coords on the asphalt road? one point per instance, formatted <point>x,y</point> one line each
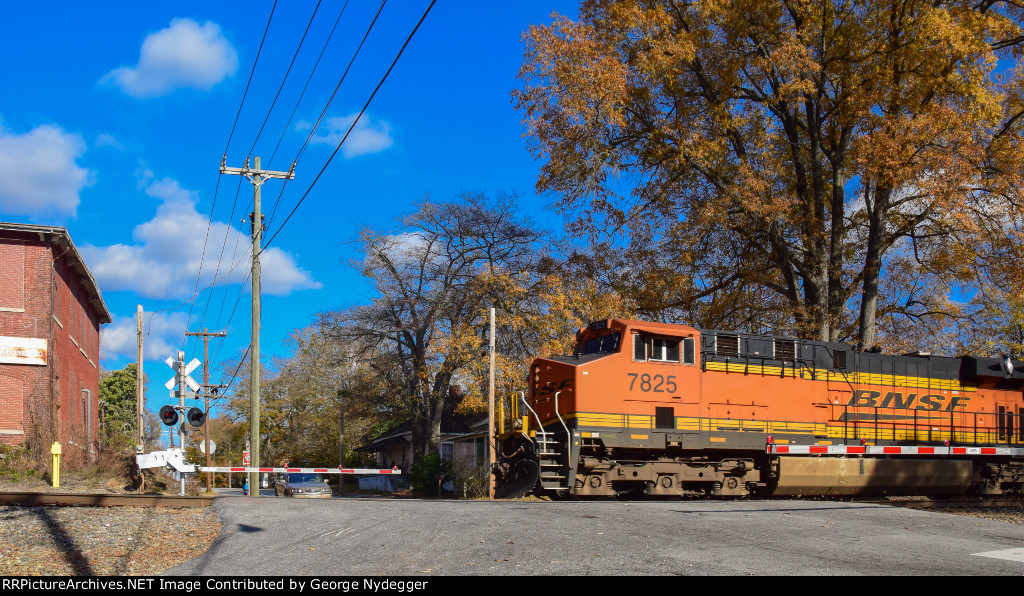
<point>377,536</point>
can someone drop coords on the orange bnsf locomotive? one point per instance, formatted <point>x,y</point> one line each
<point>657,409</point>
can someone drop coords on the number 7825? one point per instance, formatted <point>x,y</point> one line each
<point>652,383</point>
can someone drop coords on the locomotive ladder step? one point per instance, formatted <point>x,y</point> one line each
<point>546,444</point>
<point>553,486</point>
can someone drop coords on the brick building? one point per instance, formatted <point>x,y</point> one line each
<point>50,313</point>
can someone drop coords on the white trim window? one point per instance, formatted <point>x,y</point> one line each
<point>664,349</point>
<point>655,349</point>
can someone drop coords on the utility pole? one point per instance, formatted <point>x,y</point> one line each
<point>206,393</point>
<point>490,416</point>
<point>341,439</point>
<point>139,401</point>
<point>257,177</point>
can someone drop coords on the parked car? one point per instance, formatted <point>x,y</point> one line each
<point>302,485</point>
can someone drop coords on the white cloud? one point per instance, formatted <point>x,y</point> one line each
<point>106,140</point>
<point>162,333</point>
<point>165,259</point>
<point>366,137</point>
<point>38,171</point>
<point>184,55</point>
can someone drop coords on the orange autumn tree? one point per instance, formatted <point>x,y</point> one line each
<point>538,313</point>
<point>789,157</point>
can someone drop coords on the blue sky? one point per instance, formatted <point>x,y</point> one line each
<point>114,117</point>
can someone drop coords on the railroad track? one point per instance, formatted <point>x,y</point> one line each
<point>128,500</point>
<point>32,499</point>
<point>999,503</point>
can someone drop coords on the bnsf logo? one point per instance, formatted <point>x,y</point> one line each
<point>932,402</point>
<point>550,389</point>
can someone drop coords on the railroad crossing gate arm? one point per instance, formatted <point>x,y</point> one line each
<point>394,471</point>
<point>172,458</point>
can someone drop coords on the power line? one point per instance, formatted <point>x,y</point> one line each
<point>253,71</point>
<point>352,126</point>
<point>213,205</point>
<point>241,292</point>
<point>348,132</point>
<point>380,8</point>
<point>316,125</point>
<point>285,79</point>
<point>223,245</point>
<point>320,118</point>
<point>306,86</point>
<point>233,204</point>
<point>234,375</point>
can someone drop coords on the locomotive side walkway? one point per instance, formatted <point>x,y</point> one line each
<point>355,536</point>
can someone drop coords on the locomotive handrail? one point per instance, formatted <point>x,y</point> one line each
<point>803,362</point>
<point>540,426</point>
<point>962,426</point>
<point>567,441</point>
<point>835,365</point>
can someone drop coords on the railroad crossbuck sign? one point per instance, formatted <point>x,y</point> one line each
<point>179,363</point>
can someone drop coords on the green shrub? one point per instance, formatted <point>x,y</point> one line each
<point>470,481</point>
<point>424,472</point>
<point>17,463</point>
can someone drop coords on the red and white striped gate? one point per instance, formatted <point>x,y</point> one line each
<point>337,470</point>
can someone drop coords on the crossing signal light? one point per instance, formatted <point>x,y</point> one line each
<point>196,417</point>
<point>168,415</point>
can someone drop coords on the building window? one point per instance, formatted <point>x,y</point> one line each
<point>447,451</point>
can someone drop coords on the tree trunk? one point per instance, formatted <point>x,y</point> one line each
<point>873,265</point>
<point>837,234</point>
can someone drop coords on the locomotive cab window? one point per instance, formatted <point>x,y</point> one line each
<point>662,349</point>
<point>604,344</point>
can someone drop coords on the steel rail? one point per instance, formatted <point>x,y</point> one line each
<point>982,503</point>
<point>33,499</point>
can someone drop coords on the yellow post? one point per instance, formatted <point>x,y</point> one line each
<point>55,450</point>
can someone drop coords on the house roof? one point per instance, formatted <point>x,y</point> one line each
<point>383,443</point>
<point>61,238</point>
<point>451,425</point>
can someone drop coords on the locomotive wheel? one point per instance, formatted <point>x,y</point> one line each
<point>561,495</point>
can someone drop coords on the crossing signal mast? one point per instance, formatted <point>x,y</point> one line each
<point>170,414</point>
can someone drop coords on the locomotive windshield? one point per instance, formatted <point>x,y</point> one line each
<point>605,344</point>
